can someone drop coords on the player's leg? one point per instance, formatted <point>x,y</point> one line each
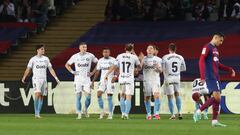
<point>110,92</point>
<point>147,100</point>
<point>129,93</point>
<point>100,103</point>
<point>169,91</point>
<point>122,99</point>
<point>178,99</point>
<point>156,105</point>
<point>205,114</point>
<point>110,105</point>
<point>198,102</point>
<point>156,95</point>
<point>37,90</point>
<point>87,90</point>
<point>100,91</point>
<point>78,91</point>
<point>43,86</point>
<point>215,107</point>
<point>178,104</point>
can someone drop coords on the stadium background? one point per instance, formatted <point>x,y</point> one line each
<point>85,22</point>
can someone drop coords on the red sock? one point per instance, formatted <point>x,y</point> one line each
<point>208,103</point>
<point>215,108</point>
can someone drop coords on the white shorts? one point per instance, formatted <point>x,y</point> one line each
<point>107,87</point>
<point>80,87</point>
<point>150,88</point>
<point>170,88</point>
<point>127,88</point>
<point>40,85</point>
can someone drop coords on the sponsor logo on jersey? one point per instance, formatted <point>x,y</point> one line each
<point>83,65</point>
<point>40,66</point>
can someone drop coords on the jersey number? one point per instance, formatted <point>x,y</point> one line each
<point>174,67</point>
<point>197,83</point>
<point>126,66</point>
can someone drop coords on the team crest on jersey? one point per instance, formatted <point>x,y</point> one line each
<point>87,59</point>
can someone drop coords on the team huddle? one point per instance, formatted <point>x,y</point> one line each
<point>124,68</point>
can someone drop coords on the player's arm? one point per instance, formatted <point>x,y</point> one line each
<point>53,73</point>
<point>201,63</point>
<point>69,68</point>
<point>141,58</point>
<point>227,68</point>
<point>97,72</point>
<point>183,65</point>
<point>111,69</point>
<point>26,73</point>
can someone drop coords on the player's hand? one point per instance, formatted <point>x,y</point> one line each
<point>23,80</point>
<point>57,80</point>
<point>74,72</point>
<point>92,85</point>
<point>114,79</point>
<point>233,73</point>
<point>141,56</point>
<point>90,74</point>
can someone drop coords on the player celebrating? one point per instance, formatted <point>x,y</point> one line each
<point>151,66</point>
<point>82,81</point>
<point>199,89</point>
<point>209,71</point>
<point>172,65</point>
<point>126,63</point>
<point>104,65</point>
<point>39,64</point>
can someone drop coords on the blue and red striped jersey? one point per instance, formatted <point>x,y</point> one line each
<point>209,63</point>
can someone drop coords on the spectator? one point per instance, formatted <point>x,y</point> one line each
<point>7,12</point>
<point>24,11</point>
<point>201,12</point>
<point>236,12</point>
<point>40,11</point>
<point>120,10</point>
<point>160,11</point>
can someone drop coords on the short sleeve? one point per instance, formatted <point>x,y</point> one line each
<point>71,60</point>
<point>30,63</point>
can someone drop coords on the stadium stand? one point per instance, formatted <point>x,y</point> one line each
<point>60,32</point>
<point>189,36</point>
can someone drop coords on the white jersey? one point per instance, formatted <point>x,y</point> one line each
<point>82,63</point>
<point>39,66</point>
<point>126,63</point>
<point>172,66</point>
<point>149,68</point>
<point>104,65</point>
<point>198,87</point>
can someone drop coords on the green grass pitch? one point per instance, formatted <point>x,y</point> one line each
<point>52,124</point>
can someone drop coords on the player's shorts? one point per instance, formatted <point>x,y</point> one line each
<point>170,88</point>
<point>127,88</point>
<point>150,88</point>
<point>107,87</point>
<point>82,87</point>
<point>213,85</point>
<point>40,86</point>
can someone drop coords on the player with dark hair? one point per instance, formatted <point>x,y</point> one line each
<point>209,66</point>
<point>103,66</point>
<point>39,64</point>
<point>173,65</point>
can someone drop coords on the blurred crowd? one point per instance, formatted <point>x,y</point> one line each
<point>37,11</point>
<point>157,10</point>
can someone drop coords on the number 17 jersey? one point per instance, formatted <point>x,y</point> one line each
<point>126,63</point>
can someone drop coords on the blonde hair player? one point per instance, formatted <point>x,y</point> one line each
<point>82,81</point>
